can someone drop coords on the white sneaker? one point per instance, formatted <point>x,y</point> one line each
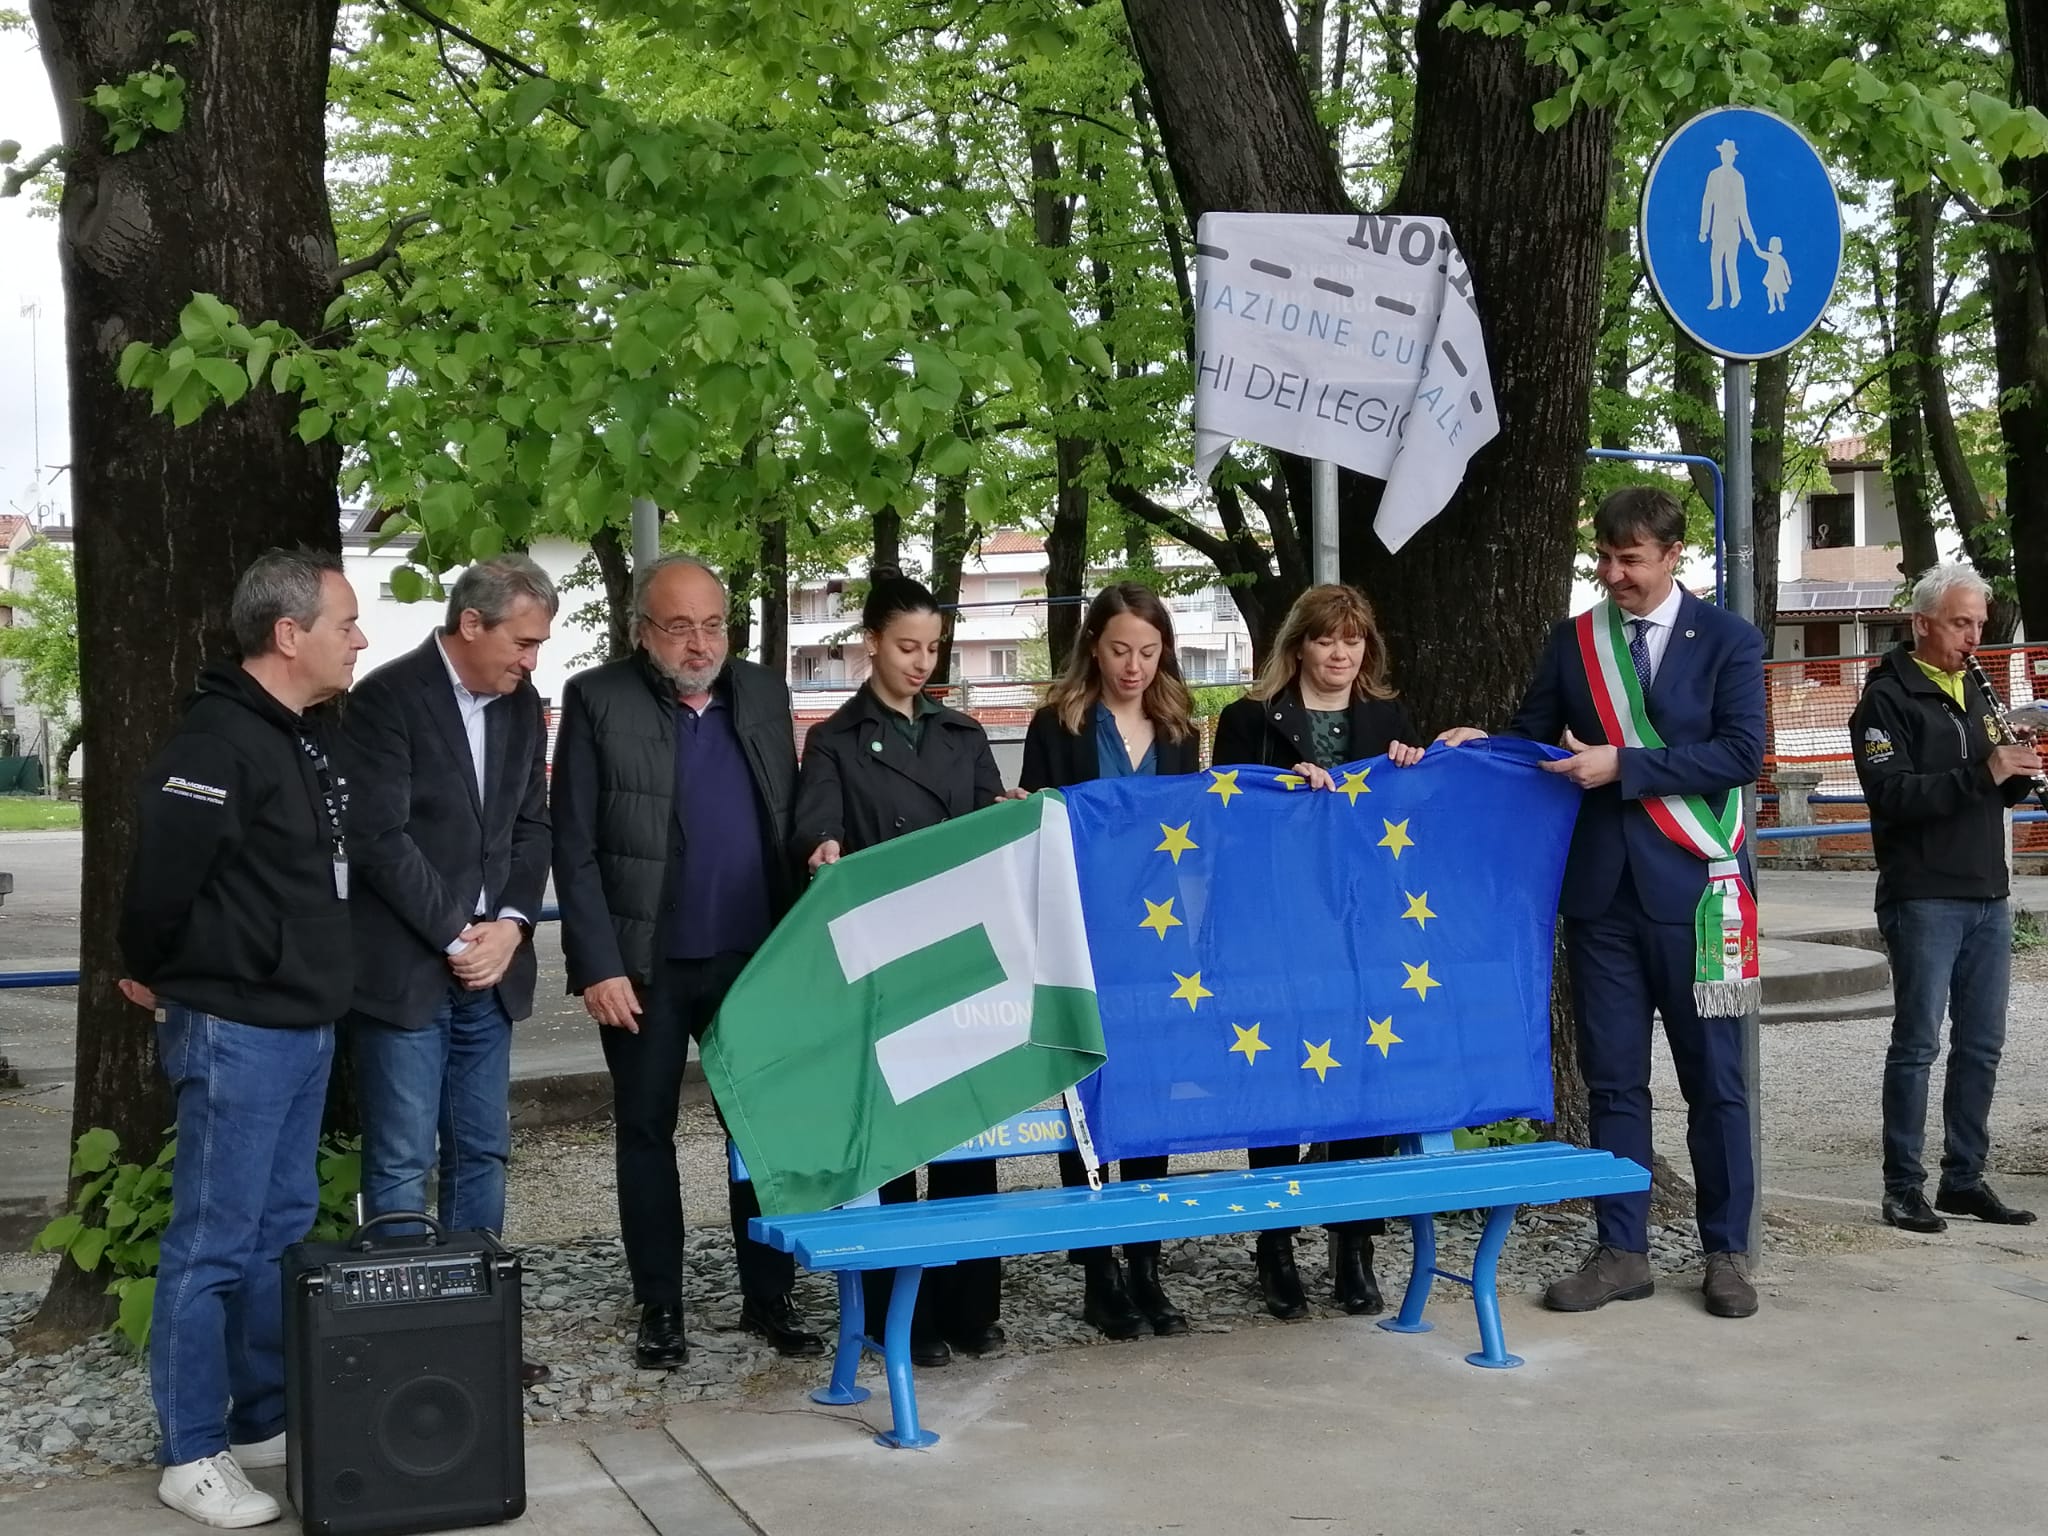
<point>259,1453</point>
<point>213,1491</point>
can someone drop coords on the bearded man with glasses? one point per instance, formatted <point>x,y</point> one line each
<point>674,793</point>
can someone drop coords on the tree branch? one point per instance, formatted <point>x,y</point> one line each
<point>21,175</point>
<point>370,263</point>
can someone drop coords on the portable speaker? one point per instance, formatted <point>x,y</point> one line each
<point>402,1397</point>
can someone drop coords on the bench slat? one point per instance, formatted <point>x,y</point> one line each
<point>1044,1220</point>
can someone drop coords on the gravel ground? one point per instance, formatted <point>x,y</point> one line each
<point>87,1411</point>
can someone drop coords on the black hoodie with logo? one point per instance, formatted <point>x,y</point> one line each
<point>231,905</point>
<point>1937,819</point>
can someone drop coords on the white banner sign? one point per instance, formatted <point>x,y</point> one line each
<point>1353,339</point>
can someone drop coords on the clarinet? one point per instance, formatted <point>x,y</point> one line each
<point>2007,733</point>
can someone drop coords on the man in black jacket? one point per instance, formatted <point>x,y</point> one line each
<point>674,782</point>
<point>1938,783</point>
<point>448,836</point>
<point>234,925</point>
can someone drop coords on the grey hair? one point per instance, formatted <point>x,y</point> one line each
<point>492,586</point>
<point>279,584</point>
<point>643,578</point>
<point>1937,582</point>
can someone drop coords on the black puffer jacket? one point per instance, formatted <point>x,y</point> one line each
<point>231,907</point>
<point>614,784</point>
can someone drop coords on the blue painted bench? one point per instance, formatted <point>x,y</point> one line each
<point>1431,1176</point>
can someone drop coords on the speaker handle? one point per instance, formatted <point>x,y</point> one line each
<point>436,1234</point>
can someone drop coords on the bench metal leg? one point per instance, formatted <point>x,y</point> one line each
<point>1493,1352</point>
<point>1421,1276</point>
<point>906,1433</point>
<point>840,1390</point>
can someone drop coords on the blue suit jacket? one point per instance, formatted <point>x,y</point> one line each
<point>1707,702</point>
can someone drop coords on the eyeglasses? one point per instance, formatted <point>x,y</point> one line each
<point>683,629</point>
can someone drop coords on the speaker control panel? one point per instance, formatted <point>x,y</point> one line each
<point>389,1282</point>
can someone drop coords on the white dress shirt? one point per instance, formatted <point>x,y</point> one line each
<point>471,707</point>
<point>1662,620</point>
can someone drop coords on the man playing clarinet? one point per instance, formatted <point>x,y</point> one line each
<point>1927,742</point>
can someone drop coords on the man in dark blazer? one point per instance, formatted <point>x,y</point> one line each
<point>1631,893</point>
<point>675,776</point>
<point>448,843</point>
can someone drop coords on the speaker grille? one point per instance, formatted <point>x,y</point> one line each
<point>427,1426</point>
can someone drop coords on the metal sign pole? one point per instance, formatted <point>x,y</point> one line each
<point>646,533</point>
<point>1741,599</point>
<point>1323,509</point>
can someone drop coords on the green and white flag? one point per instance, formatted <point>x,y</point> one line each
<point>921,992</point>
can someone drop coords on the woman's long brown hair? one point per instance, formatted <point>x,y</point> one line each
<point>1317,614</point>
<point>1079,688</point>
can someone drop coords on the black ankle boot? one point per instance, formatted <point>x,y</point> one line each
<point>1357,1288</point>
<point>1106,1306</point>
<point>1167,1319</point>
<point>1279,1281</point>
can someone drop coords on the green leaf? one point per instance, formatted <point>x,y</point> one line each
<point>260,351</point>
<point>133,356</point>
<point>724,389</point>
<point>950,455</point>
<point>654,158</point>
<point>90,1245</point>
<point>58,1234</point>
<point>799,356</point>
<point>94,1152</point>
<point>527,100</point>
<point>181,38</point>
<point>229,381</point>
<point>442,506</point>
<point>615,175</point>
<point>486,542</point>
<point>671,434</point>
<point>720,332</point>
<point>486,446</point>
<point>984,501</point>
<point>313,424</point>
<point>407,584</point>
<point>1094,353</point>
<point>138,1302</point>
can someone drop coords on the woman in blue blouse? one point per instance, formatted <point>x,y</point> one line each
<point>1120,710</point>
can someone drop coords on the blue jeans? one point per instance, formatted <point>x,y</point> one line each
<point>1953,957</point>
<point>245,1186</point>
<point>435,1099</point>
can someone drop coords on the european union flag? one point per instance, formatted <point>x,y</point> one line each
<point>1276,964</point>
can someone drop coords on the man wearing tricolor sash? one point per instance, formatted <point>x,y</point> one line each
<point>1659,698</point>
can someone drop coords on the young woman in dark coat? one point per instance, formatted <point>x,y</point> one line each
<point>1322,699</point>
<point>1120,710</point>
<point>889,761</point>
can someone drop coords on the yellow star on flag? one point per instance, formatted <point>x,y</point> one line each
<point>1418,908</point>
<point>1294,1186</point>
<point>1320,1061</point>
<point>1159,916</point>
<point>1144,1189</point>
<point>1354,785</point>
<point>1292,781</point>
<point>1397,836</point>
<point>1191,1201</point>
<point>1224,783</point>
<point>1382,1035</point>
<point>1190,991</point>
<point>1238,1209</point>
<point>1249,1043</point>
<point>1176,841</point>
<point>1273,1205</point>
<point>1164,1199</point>
<point>1419,980</point>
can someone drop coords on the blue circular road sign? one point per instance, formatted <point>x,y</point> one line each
<point>1741,232</point>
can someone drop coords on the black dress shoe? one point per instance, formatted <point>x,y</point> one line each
<point>1279,1281</point>
<point>1105,1305</point>
<point>930,1353</point>
<point>1910,1212</point>
<point>532,1373</point>
<point>1357,1287</point>
<point>661,1345</point>
<point>1982,1204</point>
<point>1151,1299</point>
<point>775,1320</point>
<point>979,1341</point>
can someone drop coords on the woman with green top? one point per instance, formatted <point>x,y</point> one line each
<point>1322,699</point>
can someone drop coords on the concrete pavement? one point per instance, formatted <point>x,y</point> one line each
<point>1896,1384</point>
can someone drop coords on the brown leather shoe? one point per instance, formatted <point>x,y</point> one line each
<point>1727,1288</point>
<point>1611,1274</point>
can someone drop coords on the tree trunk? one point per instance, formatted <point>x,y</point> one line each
<point>1906,464</point>
<point>616,567</point>
<point>2027,34</point>
<point>1066,541</point>
<point>2019,322</point>
<point>233,203</point>
<point>888,549</point>
<point>1770,390</point>
<point>1529,211</point>
<point>774,587</point>
<point>1697,416</point>
<point>949,553</point>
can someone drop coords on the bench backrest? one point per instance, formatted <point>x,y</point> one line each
<point>1038,1131</point>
